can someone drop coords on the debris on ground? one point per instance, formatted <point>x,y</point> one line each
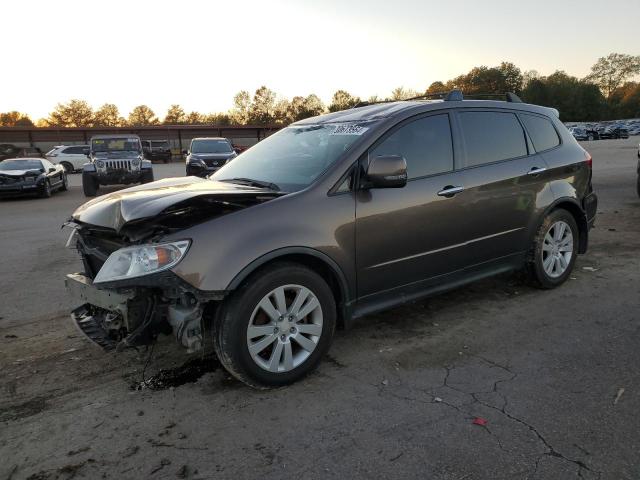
<point>188,372</point>
<point>10,336</point>
<point>589,269</point>
<point>182,472</point>
<point>130,451</point>
<point>618,395</point>
<point>437,399</point>
<point>480,421</point>
<point>385,382</point>
<point>163,463</point>
<point>80,450</point>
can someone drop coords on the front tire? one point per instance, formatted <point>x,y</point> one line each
<point>276,327</point>
<point>46,189</point>
<point>553,252</point>
<point>89,185</point>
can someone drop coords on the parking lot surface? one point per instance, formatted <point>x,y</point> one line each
<point>495,380</point>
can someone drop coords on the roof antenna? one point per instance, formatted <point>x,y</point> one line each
<point>454,96</point>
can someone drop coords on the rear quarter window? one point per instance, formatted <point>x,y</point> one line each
<point>492,137</point>
<point>542,132</point>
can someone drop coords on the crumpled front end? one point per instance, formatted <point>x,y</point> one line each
<point>131,312</point>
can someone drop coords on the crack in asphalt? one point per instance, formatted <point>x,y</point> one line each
<point>551,450</point>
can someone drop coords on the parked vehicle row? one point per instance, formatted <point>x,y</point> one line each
<point>606,130</point>
<point>332,218</point>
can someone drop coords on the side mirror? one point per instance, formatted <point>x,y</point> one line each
<point>88,154</point>
<point>387,171</point>
<point>184,152</point>
<point>52,169</point>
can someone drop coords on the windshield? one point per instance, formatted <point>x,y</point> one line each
<point>210,146</point>
<point>295,156</point>
<point>21,165</point>
<point>115,144</point>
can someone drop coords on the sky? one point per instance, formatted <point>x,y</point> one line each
<point>199,54</point>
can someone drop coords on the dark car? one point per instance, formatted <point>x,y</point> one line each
<point>156,150</point>
<point>114,160</point>
<point>8,150</point>
<point>612,132</point>
<point>31,176</point>
<point>330,219</point>
<point>206,155</point>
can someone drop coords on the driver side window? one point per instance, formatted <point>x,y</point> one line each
<point>425,144</point>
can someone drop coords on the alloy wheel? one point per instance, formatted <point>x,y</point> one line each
<point>557,249</point>
<point>285,328</point>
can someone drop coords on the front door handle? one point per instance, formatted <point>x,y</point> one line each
<point>536,170</point>
<point>450,190</point>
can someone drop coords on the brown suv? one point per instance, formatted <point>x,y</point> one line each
<point>330,219</point>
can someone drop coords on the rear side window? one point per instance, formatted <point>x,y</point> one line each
<point>424,143</point>
<point>492,136</point>
<point>543,135</point>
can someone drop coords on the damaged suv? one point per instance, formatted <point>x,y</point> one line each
<point>331,219</point>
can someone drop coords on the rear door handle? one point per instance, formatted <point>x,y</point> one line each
<point>449,191</point>
<point>536,170</point>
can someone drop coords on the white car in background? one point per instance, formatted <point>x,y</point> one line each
<point>71,157</point>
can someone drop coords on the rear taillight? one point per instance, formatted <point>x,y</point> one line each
<point>588,159</point>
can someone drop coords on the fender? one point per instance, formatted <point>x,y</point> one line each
<point>581,219</point>
<point>282,252</point>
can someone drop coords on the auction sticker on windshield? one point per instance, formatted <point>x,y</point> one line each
<point>349,129</point>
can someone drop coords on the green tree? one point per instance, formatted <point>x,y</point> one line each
<point>175,115</point>
<point>610,72</point>
<point>218,119</point>
<point>576,100</point>
<point>15,119</point>
<point>624,101</point>
<point>108,115</point>
<point>262,110</point>
<point>343,100</point>
<point>142,115</point>
<point>436,87</point>
<point>76,113</point>
<point>401,93</point>
<point>239,114</point>
<point>194,118</point>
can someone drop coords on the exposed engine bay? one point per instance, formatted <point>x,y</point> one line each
<point>133,312</point>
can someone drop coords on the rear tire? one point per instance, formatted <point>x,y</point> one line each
<point>147,176</point>
<point>553,252</point>
<point>281,354</point>
<point>89,185</point>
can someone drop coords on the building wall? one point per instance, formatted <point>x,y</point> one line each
<point>179,137</point>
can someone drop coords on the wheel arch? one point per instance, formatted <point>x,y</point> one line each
<point>575,209</point>
<point>317,261</point>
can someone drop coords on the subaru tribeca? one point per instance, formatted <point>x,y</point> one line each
<point>330,219</point>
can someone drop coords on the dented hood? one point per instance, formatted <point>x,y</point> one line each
<point>116,209</point>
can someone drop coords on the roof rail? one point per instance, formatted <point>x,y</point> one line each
<point>454,95</point>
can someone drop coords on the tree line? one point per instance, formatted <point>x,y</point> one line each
<point>606,93</point>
